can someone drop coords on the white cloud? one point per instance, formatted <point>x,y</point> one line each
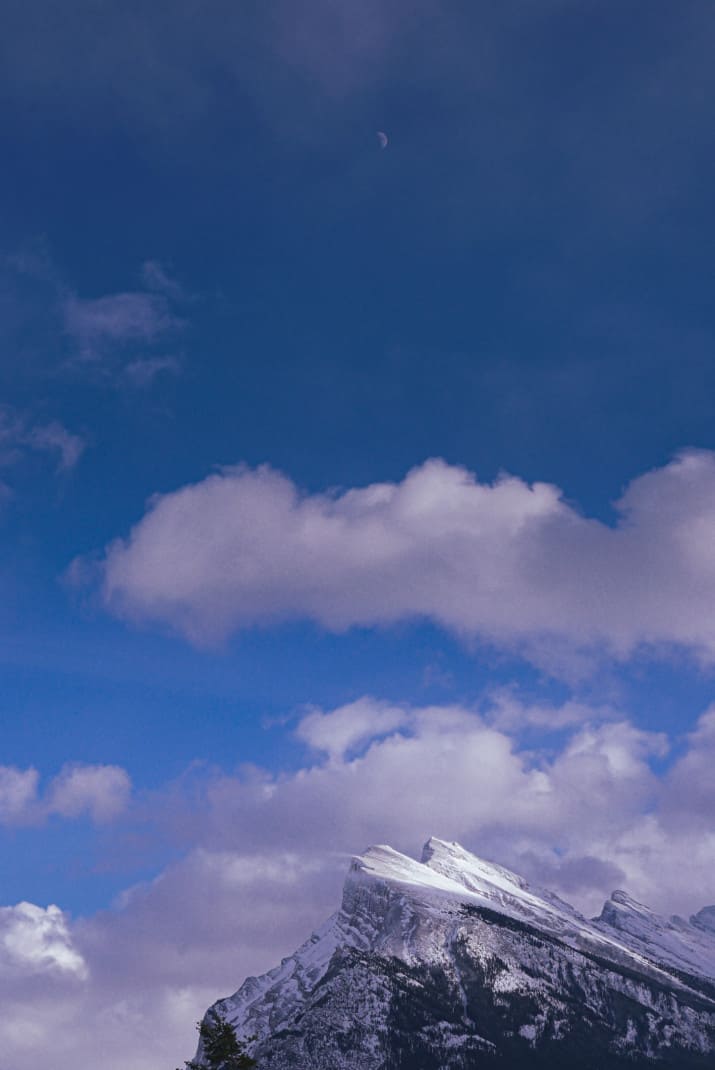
<point>510,563</point>
<point>154,963</point>
<point>447,771</point>
<point>506,712</point>
<point>691,785</point>
<point>102,792</point>
<point>18,793</point>
<point>36,940</point>
<point>338,732</point>
<point>583,817</point>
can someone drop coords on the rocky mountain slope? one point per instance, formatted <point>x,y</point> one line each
<point>452,963</point>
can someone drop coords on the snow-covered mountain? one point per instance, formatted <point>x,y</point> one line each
<point>453,962</point>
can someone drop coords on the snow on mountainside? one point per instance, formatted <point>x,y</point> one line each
<point>686,946</point>
<point>454,962</point>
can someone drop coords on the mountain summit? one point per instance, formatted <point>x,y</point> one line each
<point>452,962</point>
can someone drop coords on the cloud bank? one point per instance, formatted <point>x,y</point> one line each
<point>266,853</point>
<point>508,562</point>
<point>592,807</point>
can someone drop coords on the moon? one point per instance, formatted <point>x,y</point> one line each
<point>382,139</point>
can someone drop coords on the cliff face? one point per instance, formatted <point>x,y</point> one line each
<point>453,962</point>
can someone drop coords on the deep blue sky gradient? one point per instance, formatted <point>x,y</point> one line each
<point>521,281</point>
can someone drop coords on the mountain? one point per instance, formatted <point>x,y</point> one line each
<point>453,962</point>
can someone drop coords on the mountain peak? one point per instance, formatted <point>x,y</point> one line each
<point>381,862</point>
<point>625,900</point>
<point>444,866</point>
<point>421,951</point>
<point>435,846</point>
<point>453,860</point>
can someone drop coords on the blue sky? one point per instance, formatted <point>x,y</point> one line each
<point>209,264</point>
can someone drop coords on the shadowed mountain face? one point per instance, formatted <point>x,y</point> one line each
<point>453,962</point>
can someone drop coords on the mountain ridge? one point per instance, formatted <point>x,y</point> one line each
<point>501,969</point>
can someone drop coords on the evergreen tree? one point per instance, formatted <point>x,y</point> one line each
<point>220,1047</point>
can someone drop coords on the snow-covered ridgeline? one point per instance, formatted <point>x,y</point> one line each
<point>457,916</point>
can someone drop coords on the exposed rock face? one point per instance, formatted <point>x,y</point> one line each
<point>453,962</point>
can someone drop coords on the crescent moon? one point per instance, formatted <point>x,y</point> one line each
<point>382,139</point>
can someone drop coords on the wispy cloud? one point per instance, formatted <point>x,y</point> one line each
<point>100,325</point>
<point>119,338</point>
<point>143,372</point>
<point>21,435</point>
<point>156,277</point>
<point>55,438</point>
<point>122,336</point>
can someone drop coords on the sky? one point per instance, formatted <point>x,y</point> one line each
<point>350,492</point>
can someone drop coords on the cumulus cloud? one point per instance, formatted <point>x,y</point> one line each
<point>691,794</point>
<point>101,792</point>
<point>36,940</point>
<point>584,817</point>
<point>148,968</point>
<point>507,562</point>
<point>211,912</point>
<point>338,732</point>
<point>448,770</point>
